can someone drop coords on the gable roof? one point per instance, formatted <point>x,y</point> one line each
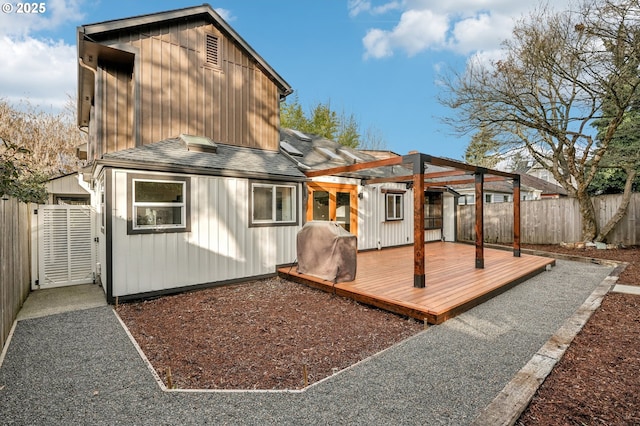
<point>228,160</point>
<point>547,188</point>
<point>87,46</point>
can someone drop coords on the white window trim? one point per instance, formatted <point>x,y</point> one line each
<point>135,228</point>
<point>273,220</point>
<point>398,215</point>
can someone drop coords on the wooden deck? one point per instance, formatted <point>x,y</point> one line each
<point>453,285</point>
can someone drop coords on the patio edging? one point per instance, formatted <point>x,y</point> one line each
<point>514,398</point>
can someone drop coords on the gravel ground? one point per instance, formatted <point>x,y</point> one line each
<point>81,368</point>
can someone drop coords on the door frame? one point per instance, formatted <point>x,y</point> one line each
<point>332,189</point>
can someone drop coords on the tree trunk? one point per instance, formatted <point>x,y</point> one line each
<point>622,209</point>
<point>588,213</point>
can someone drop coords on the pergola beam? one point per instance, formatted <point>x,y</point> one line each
<point>393,161</point>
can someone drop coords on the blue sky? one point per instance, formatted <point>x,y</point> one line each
<point>377,60</point>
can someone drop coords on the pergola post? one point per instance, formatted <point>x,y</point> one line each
<point>418,222</point>
<point>479,226</point>
<point>516,217</point>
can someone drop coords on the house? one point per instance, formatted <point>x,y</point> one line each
<point>69,188</point>
<point>195,184</point>
<point>189,185</point>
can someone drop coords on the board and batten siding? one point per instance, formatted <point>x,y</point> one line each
<point>174,91</point>
<point>374,231</point>
<point>220,246</point>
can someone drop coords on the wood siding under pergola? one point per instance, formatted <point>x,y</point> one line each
<point>454,173</point>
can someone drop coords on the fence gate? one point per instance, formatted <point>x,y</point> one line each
<point>65,245</point>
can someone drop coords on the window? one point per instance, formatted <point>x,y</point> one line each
<point>394,204</point>
<point>273,204</point>
<point>433,210</point>
<point>466,199</point>
<point>158,205</point>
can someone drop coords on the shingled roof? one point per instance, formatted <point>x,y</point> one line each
<point>227,160</point>
<point>314,152</point>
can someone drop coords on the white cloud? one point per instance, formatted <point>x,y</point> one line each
<point>356,7</point>
<point>35,69</point>
<point>225,14</point>
<point>39,71</point>
<point>418,30</point>
<point>460,26</point>
<point>481,32</point>
<point>377,44</point>
<point>55,14</point>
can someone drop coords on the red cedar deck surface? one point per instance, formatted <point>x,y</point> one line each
<point>453,285</point>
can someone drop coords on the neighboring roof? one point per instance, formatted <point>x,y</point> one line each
<point>318,153</point>
<point>547,188</point>
<point>228,160</point>
<point>87,34</point>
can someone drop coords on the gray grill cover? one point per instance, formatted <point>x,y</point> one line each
<point>326,250</point>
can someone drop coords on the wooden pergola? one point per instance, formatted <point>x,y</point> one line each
<point>449,172</point>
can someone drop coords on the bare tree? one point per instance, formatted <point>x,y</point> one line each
<point>35,146</point>
<point>548,90</point>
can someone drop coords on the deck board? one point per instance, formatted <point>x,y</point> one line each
<point>453,284</point>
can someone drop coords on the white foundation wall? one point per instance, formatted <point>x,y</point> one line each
<point>220,246</point>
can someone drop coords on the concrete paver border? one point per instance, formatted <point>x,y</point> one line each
<point>516,396</point>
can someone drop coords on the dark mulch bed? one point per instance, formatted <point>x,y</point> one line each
<point>265,334</point>
<point>597,382</point>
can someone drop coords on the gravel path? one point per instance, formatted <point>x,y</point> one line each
<point>81,368</point>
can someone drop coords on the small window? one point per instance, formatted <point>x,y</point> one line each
<point>487,198</point>
<point>212,50</point>
<point>394,203</point>
<point>467,199</point>
<point>273,204</point>
<point>158,205</point>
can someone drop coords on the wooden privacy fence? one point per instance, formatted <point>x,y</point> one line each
<point>15,258</point>
<point>550,221</point>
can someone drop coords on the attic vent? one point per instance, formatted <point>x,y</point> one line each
<point>301,135</point>
<point>213,51</point>
<point>290,149</point>
<point>199,143</point>
<point>349,155</point>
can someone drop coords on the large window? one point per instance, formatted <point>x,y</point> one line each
<point>394,203</point>
<point>158,205</point>
<point>273,204</point>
